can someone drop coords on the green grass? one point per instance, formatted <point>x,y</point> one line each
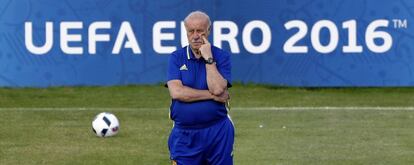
<point>64,136</point>
<point>242,96</point>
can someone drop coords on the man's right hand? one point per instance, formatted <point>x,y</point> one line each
<point>223,98</point>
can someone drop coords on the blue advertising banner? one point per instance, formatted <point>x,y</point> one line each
<point>309,43</point>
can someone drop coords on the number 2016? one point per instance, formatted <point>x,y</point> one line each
<point>371,34</point>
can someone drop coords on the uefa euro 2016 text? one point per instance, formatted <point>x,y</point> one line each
<point>127,39</point>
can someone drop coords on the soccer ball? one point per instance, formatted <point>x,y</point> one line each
<point>105,124</point>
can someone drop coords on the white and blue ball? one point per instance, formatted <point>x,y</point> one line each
<point>105,124</point>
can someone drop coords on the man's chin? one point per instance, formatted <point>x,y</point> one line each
<point>195,47</point>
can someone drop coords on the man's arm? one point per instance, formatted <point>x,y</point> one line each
<point>215,81</point>
<point>186,94</point>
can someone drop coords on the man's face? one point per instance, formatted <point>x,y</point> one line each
<point>196,28</point>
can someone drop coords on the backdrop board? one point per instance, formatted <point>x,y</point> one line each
<point>281,42</point>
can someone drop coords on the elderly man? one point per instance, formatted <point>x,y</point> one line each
<point>198,78</point>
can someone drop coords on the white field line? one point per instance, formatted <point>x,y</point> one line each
<point>233,108</point>
<point>325,108</point>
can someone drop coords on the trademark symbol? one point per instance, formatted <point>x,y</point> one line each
<point>400,23</point>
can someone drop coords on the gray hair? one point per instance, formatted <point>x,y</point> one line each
<point>198,14</point>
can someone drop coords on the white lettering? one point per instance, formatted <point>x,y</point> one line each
<point>65,37</point>
<point>125,31</point>
<point>373,33</point>
<point>333,33</point>
<point>290,45</point>
<point>158,36</point>
<point>229,37</point>
<point>93,37</point>
<point>266,40</point>
<point>29,39</point>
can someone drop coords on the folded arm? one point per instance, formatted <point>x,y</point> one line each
<point>217,85</point>
<point>186,94</point>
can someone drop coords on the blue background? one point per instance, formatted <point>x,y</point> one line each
<point>20,68</point>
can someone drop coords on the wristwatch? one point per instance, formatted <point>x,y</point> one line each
<point>210,61</point>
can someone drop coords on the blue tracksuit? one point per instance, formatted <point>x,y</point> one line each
<point>203,133</point>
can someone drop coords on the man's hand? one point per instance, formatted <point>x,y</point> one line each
<point>223,98</point>
<point>205,49</point>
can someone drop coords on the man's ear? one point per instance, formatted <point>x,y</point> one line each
<point>208,31</point>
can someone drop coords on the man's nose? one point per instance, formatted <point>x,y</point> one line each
<point>197,36</point>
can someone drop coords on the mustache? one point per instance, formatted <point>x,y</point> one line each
<point>197,41</point>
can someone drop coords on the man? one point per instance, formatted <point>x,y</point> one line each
<point>198,78</point>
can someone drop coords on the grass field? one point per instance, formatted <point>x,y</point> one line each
<point>345,126</point>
